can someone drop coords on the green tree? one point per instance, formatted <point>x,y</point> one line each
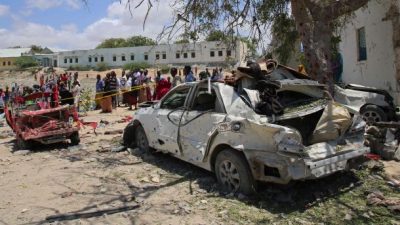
<point>216,35</point>
<point>113,43</point>
<point>182,41</point>
<point>25,62</point>
<point>135,41</point>
<point>36,49</point>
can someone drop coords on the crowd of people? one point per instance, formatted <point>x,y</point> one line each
<point>138,86</point>
<point>129,89</point>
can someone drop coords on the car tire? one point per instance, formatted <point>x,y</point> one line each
<point>23,145</point>
<point>128,136</point>
<point>141,140</point>
<point>233,172</point>
<point>373,114</point>
<point>75,139</point>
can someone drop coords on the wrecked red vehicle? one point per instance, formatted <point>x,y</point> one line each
<point>34,120</point>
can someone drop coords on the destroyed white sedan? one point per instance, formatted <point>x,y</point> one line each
<point>216,126</point>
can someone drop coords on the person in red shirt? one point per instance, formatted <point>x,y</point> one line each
<point>55,96</point>
<point>41,80</point>
<point>162,88</point>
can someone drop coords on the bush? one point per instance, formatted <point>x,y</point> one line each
<point>164,69</point>
<point>102,66</point>
<point>136,66</point>
<point>25,62</point>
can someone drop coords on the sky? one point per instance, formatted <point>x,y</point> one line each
<point>69,24</point>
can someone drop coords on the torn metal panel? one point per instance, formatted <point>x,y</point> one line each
<point>354,99</point>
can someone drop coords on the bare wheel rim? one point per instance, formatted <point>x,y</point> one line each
<point>370,116</point>
<point>229,175</point>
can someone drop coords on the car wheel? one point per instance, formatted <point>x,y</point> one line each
<point>141,139</point>
<point>22,144</point>
<point>373,114</point>
<point>233,172</point>
<point>129,133</point>
<point>75,139</point>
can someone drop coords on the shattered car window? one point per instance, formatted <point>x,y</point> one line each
<point>176,99</point>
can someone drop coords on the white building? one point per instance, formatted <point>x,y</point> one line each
<point>209,53</point>
<point>370,47</point>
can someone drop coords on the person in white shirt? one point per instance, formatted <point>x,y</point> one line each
<point>76,93</point>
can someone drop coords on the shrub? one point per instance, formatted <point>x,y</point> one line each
<point>102,66</point>
<point>25,62</point>
<point>164,69</point>
<point>136,66</point>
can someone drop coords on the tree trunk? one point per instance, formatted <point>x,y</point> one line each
<point>316,35</point>
<point>314,22</point>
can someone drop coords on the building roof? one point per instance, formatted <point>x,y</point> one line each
<point>13,52</point>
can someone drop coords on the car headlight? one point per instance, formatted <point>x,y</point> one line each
<point>290,141</point>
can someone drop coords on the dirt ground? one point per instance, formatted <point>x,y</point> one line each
<point>92,184</point>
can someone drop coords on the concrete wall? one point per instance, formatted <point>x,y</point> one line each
<point>202,55</point>
<point>379,68</point>
<point>7,63</point>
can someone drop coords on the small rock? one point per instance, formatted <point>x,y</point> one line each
<point>155,178</point>
<point>203,201</point>
<point>103,190</point>
<point>348,217</point>
<point>22,152</point>
<point>24,210</point>
<point>223,212</point>
<point>365,215</point>
<point>118,149</point>
<point>145,179</point>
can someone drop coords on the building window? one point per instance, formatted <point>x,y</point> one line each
<point>178,55</point>
<point>185,55</point>
<point>9,63</point>
<point>212,53</point>
<point>102,59</point>
<point>228,53</point>
<point>70,60</point>
<point>362,45</point>
<point>76,60</point>
<point>220,53</point>
<point>123,58</point>
<point>114,58</point>
<point>4,63</point>
<point>95,59</point>
<point>65,60</point>
<point>157,56</point>
<point>193,55</point>
<point>90,59</point>
<point>164,56</point>
<point>146,57</point>
<point>132,57</point>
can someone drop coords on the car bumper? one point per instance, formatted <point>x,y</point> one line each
<point>327,166</point>
<point>279,168</point>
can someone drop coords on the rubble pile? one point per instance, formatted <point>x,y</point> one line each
<point>384,139</point>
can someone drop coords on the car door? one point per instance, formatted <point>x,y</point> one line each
<point>205,112</point>
<point>167,118</point>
